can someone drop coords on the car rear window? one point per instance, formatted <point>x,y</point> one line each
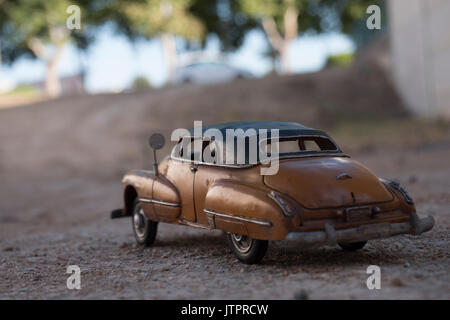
<point>217,153</point>
<point>304,144</point>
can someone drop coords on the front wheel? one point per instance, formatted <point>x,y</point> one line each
<point>143,228</point>
<point>246,249</point>
<point>352,246</point>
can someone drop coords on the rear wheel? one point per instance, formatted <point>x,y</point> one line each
<point>246,249</point>
<point>352,246</point>
<point>143,228</point>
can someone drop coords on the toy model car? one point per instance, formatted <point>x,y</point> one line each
<point>318,196</point>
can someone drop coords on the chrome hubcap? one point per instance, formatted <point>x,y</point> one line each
<point>242,243</point>
<point>139,221</point>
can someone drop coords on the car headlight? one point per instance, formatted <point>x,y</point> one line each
<point>285,206</point>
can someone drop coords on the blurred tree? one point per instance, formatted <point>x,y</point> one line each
<point>38,28</point>
<point>159,18</point>
<point>354,17</point>
<point>224,19</point>
<point>282,20</point>
<point>340,60</point>
<point>2,25</point>
<point>140,83</point>
<point>276,15</point>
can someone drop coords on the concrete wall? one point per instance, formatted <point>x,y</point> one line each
<point>420,44</point>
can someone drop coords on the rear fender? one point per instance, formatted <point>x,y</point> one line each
<point>240,208</point>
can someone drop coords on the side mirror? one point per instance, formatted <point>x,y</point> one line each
<point>156,142</point>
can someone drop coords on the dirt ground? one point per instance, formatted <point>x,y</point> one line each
<point>60,167</point>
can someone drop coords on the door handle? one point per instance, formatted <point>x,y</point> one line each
<point>193,168</point>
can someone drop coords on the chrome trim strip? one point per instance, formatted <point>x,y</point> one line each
<point>230,216</point>
<point>164,203</point>
<point>241,166</point>
<point>235,166</point>
<point>192,224</point>
<point>402,190</point>
<point>280,202</point>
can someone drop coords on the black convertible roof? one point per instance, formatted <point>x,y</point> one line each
<point>286,129</point>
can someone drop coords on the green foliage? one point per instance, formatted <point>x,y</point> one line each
<point>151,18</point>
<point>229,20</point>
<point>32,20</point>
<point>340,60</point>
<point>356,27</point>
<point>354,11</point>
<point>36,18</point>
<point>23,89</point>
<point>225,19</point>
<point>315,16</point>
<point>21,21</point>
<point>269,8</point>
<point>140,83</point>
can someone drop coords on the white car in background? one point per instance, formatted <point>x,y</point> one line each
<point>208,73</point>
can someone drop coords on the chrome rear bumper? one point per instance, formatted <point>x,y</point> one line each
<point>365,232</point>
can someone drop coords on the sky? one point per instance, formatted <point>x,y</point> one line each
<point>112,62</point>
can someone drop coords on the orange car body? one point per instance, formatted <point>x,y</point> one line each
<point>320,197</point>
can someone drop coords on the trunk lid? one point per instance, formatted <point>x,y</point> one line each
<point>325,182</point>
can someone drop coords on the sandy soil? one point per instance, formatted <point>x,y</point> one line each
<point>60,167</point>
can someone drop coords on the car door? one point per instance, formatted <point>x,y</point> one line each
<point>181,172</point>
<point>207,173</point>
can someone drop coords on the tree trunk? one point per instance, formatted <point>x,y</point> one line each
<point>290,34</point>
<point>284,58</point>
<point>170,52</point>
<point>52,83</point>
<point>279,42</point>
